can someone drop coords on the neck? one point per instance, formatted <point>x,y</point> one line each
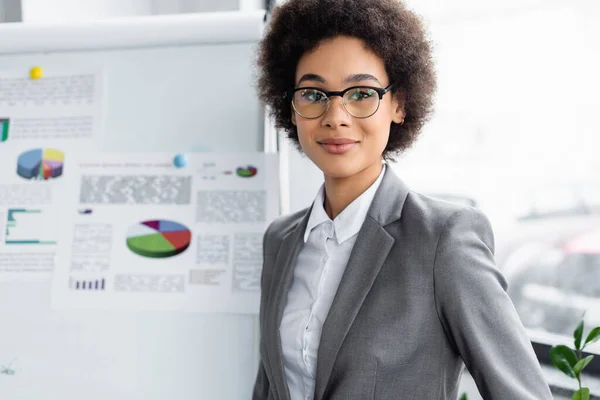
<point>340,192</point>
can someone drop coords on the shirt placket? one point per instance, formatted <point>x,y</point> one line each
<point>326,233</point>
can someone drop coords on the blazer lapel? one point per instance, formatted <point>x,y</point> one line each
<point>370,251</point>
<point>285,261</point>
<point>368,255</point>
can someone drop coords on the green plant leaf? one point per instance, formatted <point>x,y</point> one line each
<point>593,336</point>
<point>577,335</point>
<point>568,354</point>
<point>564,359</point>
<point>581,364</point>
<point>463,397</point>
<point>581,394</point>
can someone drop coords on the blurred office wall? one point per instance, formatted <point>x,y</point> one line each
<point>10,11</point>
<point>56,11</point>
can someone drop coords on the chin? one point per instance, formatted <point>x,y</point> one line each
<point>338,168</point>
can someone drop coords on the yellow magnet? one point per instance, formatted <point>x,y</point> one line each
<point>36,73</point>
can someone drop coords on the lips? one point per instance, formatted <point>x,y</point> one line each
<point>338,145</point>
<point>337,141</point>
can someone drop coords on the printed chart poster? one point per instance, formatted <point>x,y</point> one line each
<point>62,107</point>
<point>150,232</point>
<point>31,184</point>
<point>42,123</point>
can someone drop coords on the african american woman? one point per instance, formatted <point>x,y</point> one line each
<point>374,291</point>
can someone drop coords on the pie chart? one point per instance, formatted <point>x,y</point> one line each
<point>246,172</point>
<point>158,238</point>
<point>40,164</point>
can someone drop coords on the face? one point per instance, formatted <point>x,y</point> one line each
<point>340,144</point>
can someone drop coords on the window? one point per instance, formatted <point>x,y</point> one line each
<point>515,133</point>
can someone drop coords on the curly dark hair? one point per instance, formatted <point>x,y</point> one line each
<point>387,28</point>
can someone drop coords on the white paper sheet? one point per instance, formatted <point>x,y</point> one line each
<point>42,123</point>
<point>137,233</point>
<point>63,107</point>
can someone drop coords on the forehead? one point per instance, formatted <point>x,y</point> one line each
<point>335,59</point>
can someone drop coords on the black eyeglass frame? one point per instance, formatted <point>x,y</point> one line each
<point>380,92</point>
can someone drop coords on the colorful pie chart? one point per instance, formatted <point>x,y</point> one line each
<point>158,238</point>
<point>41,164</point>
<point>246,172</point>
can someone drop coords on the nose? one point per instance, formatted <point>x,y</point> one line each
<point>336,115</point>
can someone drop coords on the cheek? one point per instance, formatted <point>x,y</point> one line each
<point>304,128</point>
<point>378,132</point>
<point>379,142</point>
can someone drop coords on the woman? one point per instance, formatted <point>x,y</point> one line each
<point>375,291</point>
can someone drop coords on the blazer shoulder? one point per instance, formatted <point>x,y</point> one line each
<point>433,211</point>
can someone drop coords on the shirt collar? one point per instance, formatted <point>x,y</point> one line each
<point>350,220</point>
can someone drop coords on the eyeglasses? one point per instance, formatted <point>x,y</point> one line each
<point>358,101</point>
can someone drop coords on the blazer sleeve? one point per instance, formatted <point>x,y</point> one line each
<point>478,316</point>
<point>262,384</point>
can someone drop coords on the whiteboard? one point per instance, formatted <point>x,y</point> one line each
<point>172,83</point>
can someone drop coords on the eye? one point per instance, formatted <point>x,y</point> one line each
<point>361,94</point>
<point>312,95</point>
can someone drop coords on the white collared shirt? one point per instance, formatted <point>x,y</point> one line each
<point>317,274</point>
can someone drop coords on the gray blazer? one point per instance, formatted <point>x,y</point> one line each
<point>420,295</point>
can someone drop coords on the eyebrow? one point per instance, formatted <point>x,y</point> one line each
<point>349,79</point>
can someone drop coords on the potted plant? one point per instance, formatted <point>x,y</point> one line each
<point>569,360</point>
